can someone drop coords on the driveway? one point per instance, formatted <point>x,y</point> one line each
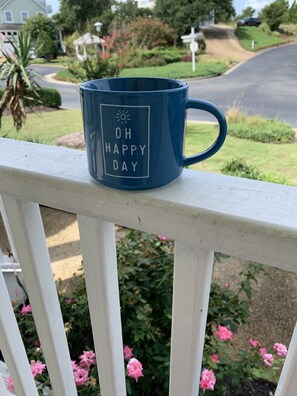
<point>221,41</point>
<point>266,84</point>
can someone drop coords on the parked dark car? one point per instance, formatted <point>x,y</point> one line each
<point>249,21</point>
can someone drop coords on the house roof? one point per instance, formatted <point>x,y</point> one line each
<point>88,38</point>
<point>4,2</point>
<point>11,26</point>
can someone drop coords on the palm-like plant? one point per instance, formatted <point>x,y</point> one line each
<point>20,84</point>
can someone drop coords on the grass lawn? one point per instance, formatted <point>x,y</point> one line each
<point>204,67</point>
<point>246,34</point>
<point>278,159</point>
<point>43,127</point>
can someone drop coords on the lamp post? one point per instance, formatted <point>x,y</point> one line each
<point>98,26</point>
<point>62,45</point>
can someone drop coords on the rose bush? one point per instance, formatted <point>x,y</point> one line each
<point>145,269</point>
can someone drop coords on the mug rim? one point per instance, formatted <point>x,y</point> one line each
<point>182,85</point>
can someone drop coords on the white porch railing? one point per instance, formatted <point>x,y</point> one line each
<point>202,212</point>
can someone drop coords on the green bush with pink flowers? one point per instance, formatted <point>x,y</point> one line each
<point>145,267</point>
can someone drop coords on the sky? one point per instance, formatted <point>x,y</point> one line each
<point>239,5</point>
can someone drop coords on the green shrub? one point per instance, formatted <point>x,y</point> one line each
<point>201,45</point>
<point>154,57</point>
<point>239,167</point>
<point>288,28</point>
<point>45,47</point>
<point>263,130</point>
<point>69,43</point>
<point>265,28</point>
<point>148,33</point>
<point>48,97</point>
<point>94,67</point>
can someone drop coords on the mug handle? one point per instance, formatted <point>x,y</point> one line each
<point>214,110</point>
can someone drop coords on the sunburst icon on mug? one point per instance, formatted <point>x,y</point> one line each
<point>123,116</point>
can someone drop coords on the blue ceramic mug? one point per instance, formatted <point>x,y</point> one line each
<point>134,130</point>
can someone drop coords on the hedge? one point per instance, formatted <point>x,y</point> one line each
<point>48,97</point>
<point>265,131</point>
<point>240,168</point>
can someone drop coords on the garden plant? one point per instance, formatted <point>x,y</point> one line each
<point>145,267</point>
<point>20,83</point>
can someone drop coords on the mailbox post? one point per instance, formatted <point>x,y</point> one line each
<point>191,38</point>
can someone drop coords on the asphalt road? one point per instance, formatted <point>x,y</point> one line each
<point>265,85</point>
<point>69,92</point>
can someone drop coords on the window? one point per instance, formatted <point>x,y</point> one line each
<point>143,3</point>
<point>24,16</point>
<point>8,17</point>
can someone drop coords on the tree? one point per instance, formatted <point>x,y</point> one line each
<point>247,12</point>
<point>223,10</point>
<point>181,15</point>
<point>148,33</point>
<point>293,13</point>
<point>275,13</point>
<point>20,81</point>
<point>38,23</point>
<point>45,46</point>
<point>75,14</point>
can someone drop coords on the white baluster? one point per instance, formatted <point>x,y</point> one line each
<point>287,385</point>
<point>12,347</point>
<point>100,265</point>
<point>7,228</point>
<point>191,288</point>
<point>28,234</point>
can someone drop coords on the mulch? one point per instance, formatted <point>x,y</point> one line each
<point>255,388</point>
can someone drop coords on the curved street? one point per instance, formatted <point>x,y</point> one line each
<point>265,84</point>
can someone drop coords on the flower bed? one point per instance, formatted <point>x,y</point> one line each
<point>145,267</point>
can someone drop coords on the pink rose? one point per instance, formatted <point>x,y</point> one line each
<point>80,376</point>
<point>10,385</point>
<point>26,309</point>
<point>223,333</point>
<point>87,359</point>
<point>208,380</point>
<point>262,351</point>
<point>134,368</point>
<point>215,358</point>
<point>254,343</point>
<point>268,359</point>
<point>37,367</point>
<point>280,349</point>
<point>128,353</point>
<point>162,238</point>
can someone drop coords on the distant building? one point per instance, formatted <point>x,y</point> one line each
<point>14,13</point>
<point>142,3</point>
<point>146,3</point>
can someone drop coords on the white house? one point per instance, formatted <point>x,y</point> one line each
<point>142,3</point>
<point>14,13</point>
<point>146,3</point>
